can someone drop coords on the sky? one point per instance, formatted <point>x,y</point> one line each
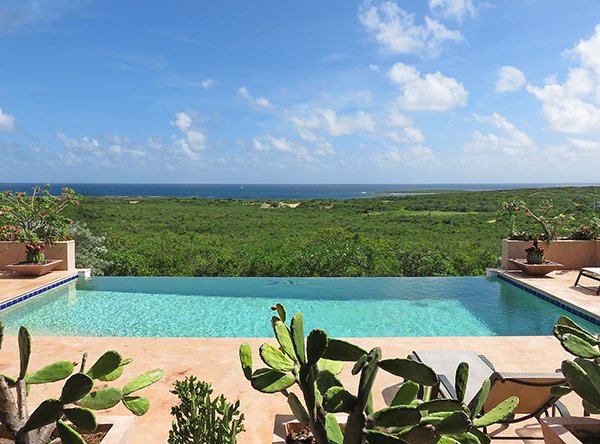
<point>312,91</point>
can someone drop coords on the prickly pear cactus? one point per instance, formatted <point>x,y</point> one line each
<point>583,372</point>
<point>73,408</point>
<point>313,365</point>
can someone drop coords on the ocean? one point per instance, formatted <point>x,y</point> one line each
<point>271,191</point>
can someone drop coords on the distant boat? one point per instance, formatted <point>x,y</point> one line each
<point>242,187</point>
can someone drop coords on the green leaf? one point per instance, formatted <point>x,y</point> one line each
<point>560,390</point>
<point>83,418</point>
<point>333,430</point>
<point>297,330</point>
<point>142,381</point>
<point>316,344</point>
<point>405,394</point>
<point>67,434</point>
<point>281,312</point>
<point>441,405</point>
<point>47,412</point>
<point>377,437</point>
<point>334,367</point>
<point>338,350</point>
<point>590,408</point>
<point>137,405</point>
<point>76,387</point>
<point>246,360</point>
<point>482,437</point>
<point>460,380</point>
<point>395,417</point>
<point>421,433</point>
<point>282,334</point>
<point>480,398</point>
<point>101,399</point>
<point>326,380</point>
<point>560,330</point>
<point>410,370</point>
<point>498,413</point>
<point>10,381</point>
<point>106,364</point>
<point>581,383</point>
<point>51,373</point>
<point>270,381</point>
<point>298,409</point>
<point>579,347</point>
<point>275,358</point>
<point>456,423</point>
<point>24,351</point>
<point>337,399</point>
<point>117,373</point>
<point>360,364</point>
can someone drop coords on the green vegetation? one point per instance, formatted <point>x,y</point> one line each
<point>445,234</point>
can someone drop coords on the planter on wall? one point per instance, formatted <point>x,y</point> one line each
<point>570,430</point>
<point>14,252</point>
<point>572,254</point>
<point>536,269</point>
<point>34,269</point>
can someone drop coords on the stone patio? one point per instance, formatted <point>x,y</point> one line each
<point>216,360</point>
<point>13,284</point>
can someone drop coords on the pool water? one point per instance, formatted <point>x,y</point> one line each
<point>240,307</point>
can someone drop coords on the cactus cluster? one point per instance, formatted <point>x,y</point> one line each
<point>72,412</point>
<point>313,365</point>
<point>582,373</point>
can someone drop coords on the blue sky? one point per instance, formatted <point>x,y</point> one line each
<point>333,91</point>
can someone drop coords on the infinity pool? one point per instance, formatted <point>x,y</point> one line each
<point>240,307</point>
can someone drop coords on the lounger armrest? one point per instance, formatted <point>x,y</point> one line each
<point>531,376</point>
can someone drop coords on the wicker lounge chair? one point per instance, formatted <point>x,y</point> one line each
<point>532,389</point>
<point>591,273</point>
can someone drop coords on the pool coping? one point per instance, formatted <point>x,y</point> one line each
<point>38,290</point>
<point>546,296</point>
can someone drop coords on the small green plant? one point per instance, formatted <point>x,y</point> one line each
<point>544,216</point>
<point>37,219</point>
<point>582,373</point>
<point>202,420</point>
<point>72,412</point>
<point>314,365</point>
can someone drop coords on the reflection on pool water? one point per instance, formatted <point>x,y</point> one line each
<point>240,307</point>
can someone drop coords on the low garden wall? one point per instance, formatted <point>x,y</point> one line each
<point>572,254</point>
<point>13,252</point>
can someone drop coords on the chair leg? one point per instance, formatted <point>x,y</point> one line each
<point>578,277</point>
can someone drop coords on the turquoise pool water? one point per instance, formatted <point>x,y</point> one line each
<point>240,307</point>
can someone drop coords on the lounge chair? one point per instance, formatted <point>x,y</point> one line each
<point>591,273</point>
<point>532,389</point>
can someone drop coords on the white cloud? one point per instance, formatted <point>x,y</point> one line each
<point>259,102</point>
<point>7,122</point>
<point>511,141</point>
<point>395,29</point>
<point>271,143</point>
<point>453,9</point>
<point>434,92</point>
<point>412,156</point>
<point>207,84</point>
<point>324,149</point>
<point>194,139</point>
<point>18,14</point>
<point>335,125</point>
<point>343,125</point>
<point>374,68</point>
<point>83,144</point>
<point>509,79</point>
<point>408,134</point>
<point>574,106</point>
<point>81,148</point>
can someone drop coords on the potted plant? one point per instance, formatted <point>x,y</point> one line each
<point>535,264</point>
<point>37,221</point>
<point>535,253</point>
<point>313,363</point>
<point>68,418</point>
<point>583,377</point>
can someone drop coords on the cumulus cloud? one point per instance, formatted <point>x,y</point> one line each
<point>411,156</point>
<point>194,140</point>
<point>258,102</point>
<point>396,30</point>
<point>453,9</point>
<point>207,84</point>
<point>7,122</point>
<point>509,79</point>
<point>407,133</point>
<point>509,141</point>
<point>573,107</point>
<point>334,124</point>
<point>281,144</point>
<point>115,146</point>
<point>434,92</point>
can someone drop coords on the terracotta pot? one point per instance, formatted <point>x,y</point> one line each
<point>34,269</point>
<point>570,430</point>
<point>536,269</point>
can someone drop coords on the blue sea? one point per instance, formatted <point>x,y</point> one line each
<point>272,191</point>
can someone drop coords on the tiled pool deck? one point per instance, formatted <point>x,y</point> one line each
<point>216,359</point>
<point>14,286</point>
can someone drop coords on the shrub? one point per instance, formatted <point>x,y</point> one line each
<point>202,420</point>
<point>90,251</point>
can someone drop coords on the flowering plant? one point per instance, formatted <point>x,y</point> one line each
<point>535,253</point>
<point>544,216</point>
<point>36,219</point>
